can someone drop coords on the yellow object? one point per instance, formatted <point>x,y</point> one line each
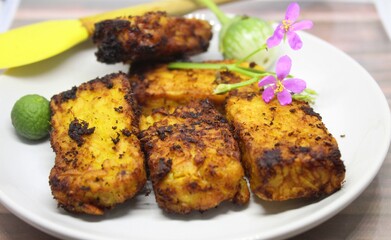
<point>43,40</point>
<point>98,162</point>
<point>39,41</point>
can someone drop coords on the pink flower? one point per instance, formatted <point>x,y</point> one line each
<point>287,28</point>
<point>280,86</point>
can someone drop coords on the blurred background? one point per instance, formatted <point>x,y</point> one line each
<point>77,8</point>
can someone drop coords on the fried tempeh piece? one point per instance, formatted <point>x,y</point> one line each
<point>287,151</point>
<point>156,85</point>
<point>193,159</point>
<point>153,36</point>
<point>98,162</point>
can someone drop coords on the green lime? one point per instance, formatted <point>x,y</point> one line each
<point>30,116</point>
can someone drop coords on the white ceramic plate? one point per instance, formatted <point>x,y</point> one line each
<point>350,101</point>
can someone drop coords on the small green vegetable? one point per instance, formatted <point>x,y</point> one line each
<point>30,117</point>
<point>241,35</point>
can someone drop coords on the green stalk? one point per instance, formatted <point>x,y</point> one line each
<point>242,70</point>
<point>218,66</point>
<point>223,19</point>
<point>192,65</point>
<point>308,95</point>
<point>257,71</point>
<point>224,88</point>
<point>264,46</point>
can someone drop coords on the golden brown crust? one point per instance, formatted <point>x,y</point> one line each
<point>287,151</point>
<point>153,36</point>
<point>98,162</point>
<point>193,159</point>
<point>158,86</point>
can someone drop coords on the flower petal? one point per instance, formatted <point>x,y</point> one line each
<point>267,80</point>
<point>292,12</point>
<point>268,94</point>
<point>276,38</point>
<point>283,67</point>
<point>284,97</point>
<point>305,24</point>
<point>294,85</point>
<point>294,40</point>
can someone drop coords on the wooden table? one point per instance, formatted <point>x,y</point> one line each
<point>354,28</point>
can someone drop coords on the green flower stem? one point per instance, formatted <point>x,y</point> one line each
<point>218,66</point>
<point>193,65</point>
<point>241,70</point>
<point>223,19</point>
<point>308,95</point>
<point>263,47</point>
<point>224,88</point>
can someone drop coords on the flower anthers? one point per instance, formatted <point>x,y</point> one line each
<point>287,28</point>
<point>280,85</point>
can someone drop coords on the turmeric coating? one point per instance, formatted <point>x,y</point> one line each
<point>193,159</point>
<point>98,161</point>
<point>319,173</point>
<point>287,151</point>
<point>157,86</point>
<point>150,37</point>
<point>198,146</point>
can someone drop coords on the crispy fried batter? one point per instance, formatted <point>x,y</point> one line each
<point>98,162</point>
<point>193,159</point>
<point>153,36</point>
<point>287,151</point>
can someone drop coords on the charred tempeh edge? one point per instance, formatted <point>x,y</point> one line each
<point>287,151</point>
<point>193,159</point>
<point>98,161</point>
<point>153,36</point>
